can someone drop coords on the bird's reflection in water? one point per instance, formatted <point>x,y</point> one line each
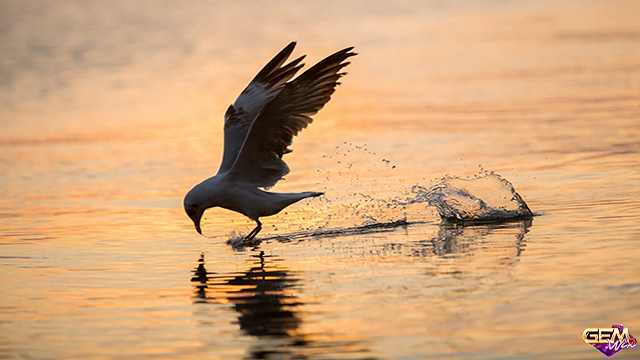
<point>200,279</point>
<point>267,306</point>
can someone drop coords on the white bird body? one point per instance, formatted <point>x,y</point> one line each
<point>258,129</point>
<point>244,198</point>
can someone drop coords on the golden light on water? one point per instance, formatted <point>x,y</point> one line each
<point>109,114</point>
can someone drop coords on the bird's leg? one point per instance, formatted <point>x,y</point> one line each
<point>254,232</point>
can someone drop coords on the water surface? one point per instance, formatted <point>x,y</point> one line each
<point>110,114</point>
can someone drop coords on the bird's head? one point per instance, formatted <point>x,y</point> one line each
<point>195,207</point>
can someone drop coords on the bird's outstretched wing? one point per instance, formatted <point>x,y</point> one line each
<point>289,111</point>
<point>259,92</point>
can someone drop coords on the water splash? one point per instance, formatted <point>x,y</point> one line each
<point>388,202</point>
<point>238,242</point>
<point>484,198</point>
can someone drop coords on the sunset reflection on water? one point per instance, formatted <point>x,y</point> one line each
<point>109,114</point>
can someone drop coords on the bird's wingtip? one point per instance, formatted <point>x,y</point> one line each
<point>291,45</point>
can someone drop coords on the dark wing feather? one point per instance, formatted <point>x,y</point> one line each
<point>262,89</point>
<point>260,159</point>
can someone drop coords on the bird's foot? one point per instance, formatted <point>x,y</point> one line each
<point>240,243</point>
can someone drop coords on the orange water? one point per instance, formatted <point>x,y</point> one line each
<point>110,113</point>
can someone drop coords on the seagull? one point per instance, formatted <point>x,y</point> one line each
<point>258,130</point>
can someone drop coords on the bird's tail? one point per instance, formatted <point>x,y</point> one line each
<point>287,199</point>
<point>275,202</point>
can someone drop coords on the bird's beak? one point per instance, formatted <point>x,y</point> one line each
<point>196,217</point>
